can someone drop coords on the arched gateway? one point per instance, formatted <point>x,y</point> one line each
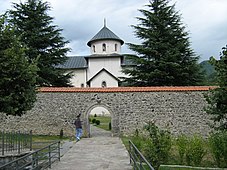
<point>87,129</point>
<point>179,109</point>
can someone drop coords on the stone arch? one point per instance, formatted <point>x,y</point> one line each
<point>87,131</point>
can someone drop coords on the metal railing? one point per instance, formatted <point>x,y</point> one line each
<point>137,159</point>
<point>15,142</point>
<point>40,159</point>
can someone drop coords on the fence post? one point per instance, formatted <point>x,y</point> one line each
<point>49,156</point>
<point>3,142</point>
<point>18,142</point>
<point>30,139</point>
<point>34,160</point>
<point>141,162</point>
<point>10,141</point>
<point>130,151</point>
<point>59,152</point>
<point>17,165</point>
<point>14,140</point>
<point>21,140</point>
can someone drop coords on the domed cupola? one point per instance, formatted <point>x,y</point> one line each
<point>105,42</point>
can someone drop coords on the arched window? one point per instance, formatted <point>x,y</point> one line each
<point>93,48</point>
<point>104,84</point>
<point>103,47</point>
<point>82,85</point>
<point>115,47</point>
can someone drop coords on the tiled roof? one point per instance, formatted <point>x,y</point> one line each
<point>103,55</point>
<point>105,34</point>
<point>74,62</point>
<point>125,89</point>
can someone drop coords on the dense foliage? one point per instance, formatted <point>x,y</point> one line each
<point>159,145</point>
<point>164,56</point>
<point>161,148</point>
<point>218,145</point>
<point>18,76</point>
<point>217,99</point>
<point>209,73</point>
<point>156,146</point>
<point>43,39</point>
<point>196,151</point>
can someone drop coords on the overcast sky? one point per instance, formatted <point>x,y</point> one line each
<point>205,20</point>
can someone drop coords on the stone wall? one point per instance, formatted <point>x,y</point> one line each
<point>178,111</point>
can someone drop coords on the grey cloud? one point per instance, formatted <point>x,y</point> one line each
<point>205,20</point>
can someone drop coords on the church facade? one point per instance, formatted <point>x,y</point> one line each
<point>103,68</point>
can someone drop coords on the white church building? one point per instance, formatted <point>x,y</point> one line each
<point>103,68</point>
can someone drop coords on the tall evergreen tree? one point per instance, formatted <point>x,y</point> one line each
<point>43,39</point>
<point>217,100</point>
<point>164,56</point>
<point>18,76</point>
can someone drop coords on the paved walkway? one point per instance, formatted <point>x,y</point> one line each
<point>100,152</point>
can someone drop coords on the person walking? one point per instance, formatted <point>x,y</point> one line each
<point>78,125</point>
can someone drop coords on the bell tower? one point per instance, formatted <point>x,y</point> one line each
<point>105,42</point>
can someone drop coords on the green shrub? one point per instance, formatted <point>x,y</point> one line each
<point>215,143</point>
<point>224,139</point>
<point>93,121</point>
<point>195,150</point>
<point>188,156</point>
<point>157,146</point>
<point>137,132</point>
<point>97,122</point>
<point>138,141</point>
<point>181,143</point>
<point>192,151</point>
<point>61,133</point>
<point>218,147</point>
<point>110,126</point>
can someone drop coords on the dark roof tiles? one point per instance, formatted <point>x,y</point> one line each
<point>105,34</point>
<point>74,62</point>
<point>103,55</point>
<point>77,62</point>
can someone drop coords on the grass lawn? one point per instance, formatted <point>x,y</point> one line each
<point>40,141</point>
<point>104,121</point>
<point>45,138</point>
<point>125,141</point>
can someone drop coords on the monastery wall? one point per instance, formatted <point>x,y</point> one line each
<point>179,109</point>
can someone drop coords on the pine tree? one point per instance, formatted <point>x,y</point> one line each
<point>18,76</point>
<point>217,100</point>
<point>164,56</point>
<point>43,39</point>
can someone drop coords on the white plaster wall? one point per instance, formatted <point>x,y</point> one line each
<point>78,77</point>
<point>113,65</point>
<point>104,76</point>
<point>110,47</point>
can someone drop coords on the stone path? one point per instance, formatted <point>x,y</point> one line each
<point>100,152</point>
